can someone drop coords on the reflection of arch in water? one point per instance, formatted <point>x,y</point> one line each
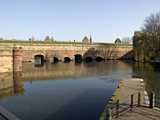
<point>39,59</point>
<point>99,59</point>
<point>78,58</point>
<point>67,59</point>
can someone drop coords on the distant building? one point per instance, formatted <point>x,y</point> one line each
<point>86,40</point>
<point>118,41</point>
<point>90,40</point>
<point>47,38</point>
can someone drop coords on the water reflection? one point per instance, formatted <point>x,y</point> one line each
<point>61,70</point>
<point>10,84</point>
<point>67,90</point>
<point>151,74</point>
<point>62,91</point>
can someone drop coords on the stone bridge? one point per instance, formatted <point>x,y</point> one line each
<point>15,54</point>
<point>63,51</point>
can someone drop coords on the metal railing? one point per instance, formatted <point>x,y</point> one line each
<point>157,101</point>
<point>154,99</point>
<point>116,108</point>
<point>121,107</point>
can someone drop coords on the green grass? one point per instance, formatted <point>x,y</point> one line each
<point>51,42</point>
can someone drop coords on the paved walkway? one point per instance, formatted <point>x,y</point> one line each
<point>133,86</point>
<point>128,87</point>
<point>140,113</point>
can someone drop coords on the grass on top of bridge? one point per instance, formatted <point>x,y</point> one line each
<point>48,42</point>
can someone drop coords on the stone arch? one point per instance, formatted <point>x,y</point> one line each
<point>67,59</point>
<point>39,58</point>
<point>78,58</point>
<point>88,58</point>
<point>39,53</point>
<point>90,54</point>
<point>55,59</point>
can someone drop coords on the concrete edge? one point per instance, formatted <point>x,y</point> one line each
<point>6,114</point>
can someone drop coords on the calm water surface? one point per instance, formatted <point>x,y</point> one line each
<point>67,91</point>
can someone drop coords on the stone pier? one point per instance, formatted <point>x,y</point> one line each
<point>6,59</point>
<point>10,59</point>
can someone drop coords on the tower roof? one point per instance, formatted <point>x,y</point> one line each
<point>85,39</point>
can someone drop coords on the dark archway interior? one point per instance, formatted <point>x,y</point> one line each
<point>39,59</point>
<point>88,59</point>
<point>99,59</point>
<point>67,59</point>
<point>78,58</point>
<point>55,60</point>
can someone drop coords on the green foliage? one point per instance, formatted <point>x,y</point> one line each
<point>146,43</point>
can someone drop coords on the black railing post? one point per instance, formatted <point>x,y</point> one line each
<point>117,108</point>
<point>151,100</point>
<point>131,105</point>
<point>106,114</point>
<point>139,99</point>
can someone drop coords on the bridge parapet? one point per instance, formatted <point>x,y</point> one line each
<point>14,54</point>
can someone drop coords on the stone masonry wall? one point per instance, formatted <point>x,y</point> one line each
<point>6,59</point>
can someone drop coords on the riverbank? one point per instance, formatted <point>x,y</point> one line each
<point>6,115</point>
<point>121,107</point>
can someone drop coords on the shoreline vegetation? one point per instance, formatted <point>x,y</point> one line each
<point>146,42</point>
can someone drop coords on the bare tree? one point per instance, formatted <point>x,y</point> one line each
<point>152,23</point>
<point>152,30</point>
<point>126,40</point>
<point>147,42</point>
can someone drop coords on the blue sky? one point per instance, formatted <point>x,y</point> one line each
<point>67,20</point>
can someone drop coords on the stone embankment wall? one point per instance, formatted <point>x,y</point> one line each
<point>10,59</point>
<point>6,59</point>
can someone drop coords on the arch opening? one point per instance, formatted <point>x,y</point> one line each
<point>67,59</point>
<point>88,59</point>
<point>38,59</point>
<point>78,58</point>
<point>55,60</point>
<point>99,59</point>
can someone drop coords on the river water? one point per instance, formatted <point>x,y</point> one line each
<point>68,91</point>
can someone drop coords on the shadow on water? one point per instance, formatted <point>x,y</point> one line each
<point>82,109</point>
